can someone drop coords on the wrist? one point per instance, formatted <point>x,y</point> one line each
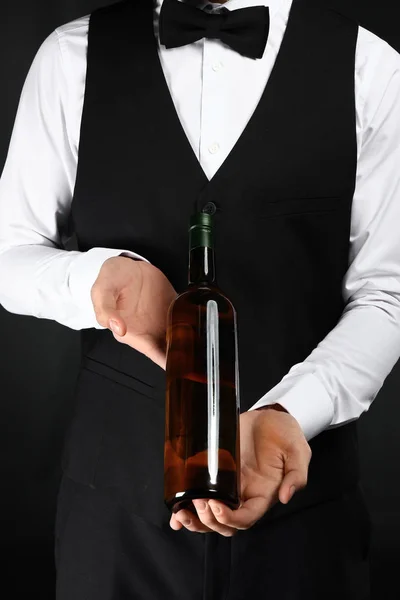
<point>274,406</point>
<point>127,256</point>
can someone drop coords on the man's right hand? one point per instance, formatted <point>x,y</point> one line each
<point>135,296</point>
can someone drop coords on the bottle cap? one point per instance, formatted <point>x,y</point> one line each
<point>201,219</point>
<point>201,230</point>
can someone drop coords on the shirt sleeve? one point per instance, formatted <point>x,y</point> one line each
<point>37,276</point>
<point>341,377</point>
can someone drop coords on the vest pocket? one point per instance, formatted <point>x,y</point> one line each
<point>303,205</point>
<point>121,377</point>
<point>116,440</point>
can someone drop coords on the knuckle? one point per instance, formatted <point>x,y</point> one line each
<point>206,519</point>
<point>95,290</point>
<point>224,520</point>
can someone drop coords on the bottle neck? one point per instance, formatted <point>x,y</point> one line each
<point>201,249</point>
<point>201,265</point>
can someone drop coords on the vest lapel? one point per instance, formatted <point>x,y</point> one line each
<point>289,74</point>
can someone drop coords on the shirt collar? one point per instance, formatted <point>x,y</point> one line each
<point>273,5</point>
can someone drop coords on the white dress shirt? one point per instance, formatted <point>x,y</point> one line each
<point>215,90</point>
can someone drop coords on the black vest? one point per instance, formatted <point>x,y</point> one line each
<point>283,198</point>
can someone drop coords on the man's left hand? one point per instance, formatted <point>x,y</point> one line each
<point>274,461</point>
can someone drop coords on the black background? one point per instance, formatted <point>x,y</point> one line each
<point>39,362</point>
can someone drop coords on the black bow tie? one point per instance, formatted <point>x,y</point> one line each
<point>245,29</point>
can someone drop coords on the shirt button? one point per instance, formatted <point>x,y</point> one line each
<point>213,148</point>
<point>217,66</point>
<point>209,208</point>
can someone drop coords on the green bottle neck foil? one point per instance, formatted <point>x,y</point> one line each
<point>201,249</point>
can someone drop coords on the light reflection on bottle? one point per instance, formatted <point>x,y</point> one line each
<point>213,388</point>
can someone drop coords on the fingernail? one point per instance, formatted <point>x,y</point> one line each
<point>291,491</point>
<point>186,521</point>
<point>115,327</point>
<point>201,505</point>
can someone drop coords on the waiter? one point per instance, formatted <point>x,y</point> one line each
<point>282,120</point>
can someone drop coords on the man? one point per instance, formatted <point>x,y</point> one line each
<point>282,120</point>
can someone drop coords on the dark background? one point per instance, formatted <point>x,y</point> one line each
<point>39,361</point>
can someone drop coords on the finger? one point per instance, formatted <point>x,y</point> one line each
<point>207,517</point>
<point>191,521</point>
<point>105,308</point>
<point>174,523</point>
<point>296,474</point>
<point>117,326</point>
<point>245,516</point>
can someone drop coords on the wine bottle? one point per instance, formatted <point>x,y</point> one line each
<point>202,445</point>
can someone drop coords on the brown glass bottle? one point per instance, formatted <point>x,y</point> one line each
<point>202,446</point>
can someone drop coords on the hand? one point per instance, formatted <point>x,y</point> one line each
<point>275,457</point>
<point>135,295</point>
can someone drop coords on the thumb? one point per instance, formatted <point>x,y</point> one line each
<point>117,325</point>
<point>295,478</point>
<point>107,314</point>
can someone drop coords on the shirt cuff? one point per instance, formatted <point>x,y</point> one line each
<point>84,272</point>
<point>306,399</point>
